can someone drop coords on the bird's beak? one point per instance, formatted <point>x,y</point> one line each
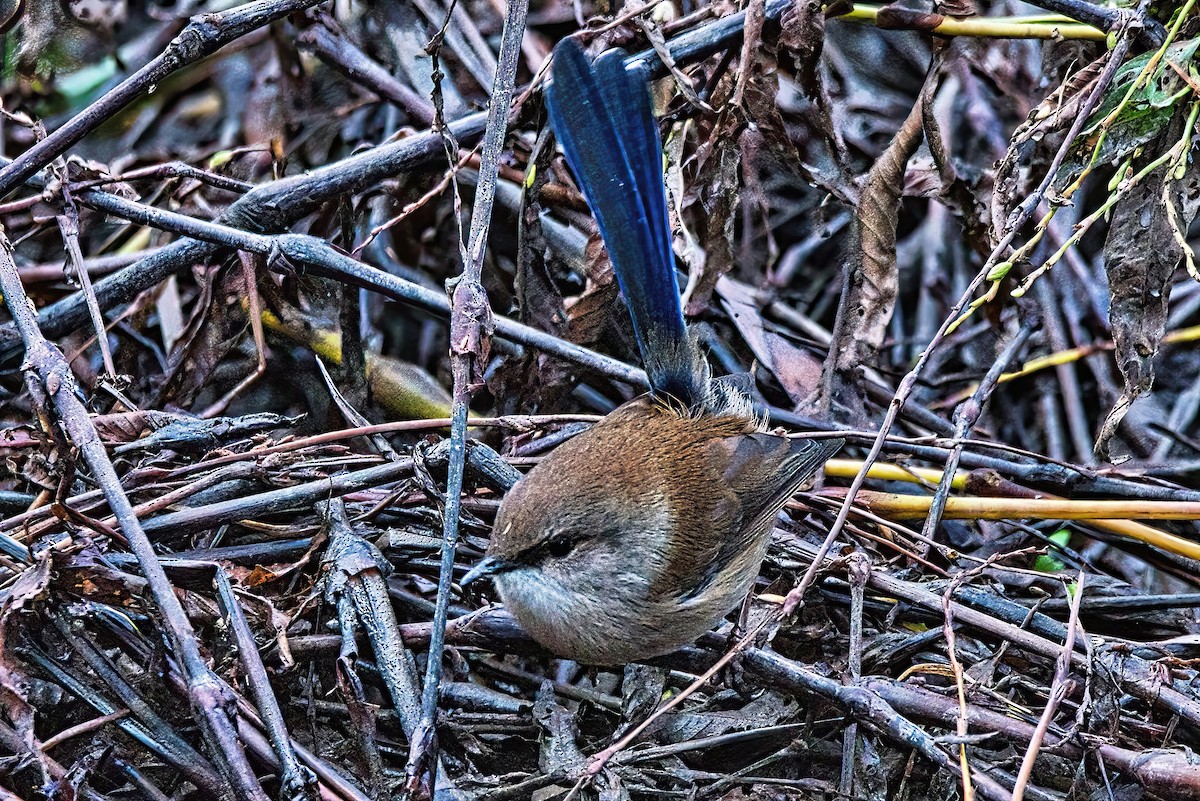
<point>488,566</point>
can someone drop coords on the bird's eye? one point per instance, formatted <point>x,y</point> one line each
<point>558,546</point>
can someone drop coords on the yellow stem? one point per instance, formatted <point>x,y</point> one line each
<point>1179,336</point>
<point>1117,517</point>
<point>985,508</point>
<point>881,471</point>
<point>1034,27</point>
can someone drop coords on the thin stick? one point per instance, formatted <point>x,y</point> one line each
<point>1058,689</point>
<point>965,417</point>
<point>470,331</point>
<point>83,728</point>
<point>203,36</point>
<point>50,381</point>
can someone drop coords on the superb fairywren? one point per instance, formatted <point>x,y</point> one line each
<point>637,536</point>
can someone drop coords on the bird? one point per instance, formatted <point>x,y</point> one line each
<point>639,535</point>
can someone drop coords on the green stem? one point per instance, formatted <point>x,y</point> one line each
<point>1147,71</point>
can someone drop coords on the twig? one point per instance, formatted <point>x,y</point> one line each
<point>68,226</point>
<point>858,565</point>
<point>470,330</point>
<point>1037,506</point>
<point>1179,150</point>
<point>297,781</point>
<point>340,53</point>
<point>53,387</point>
<point>83,728</point>
<point>357,585</point>
<point>965,417</point>
<point>1058,690</point>
<point>278,501</point>
<point>203,36</point>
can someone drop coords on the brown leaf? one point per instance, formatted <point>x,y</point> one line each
<point>798,371</point>
<point>922,179</point>
<point>892,17</point>
<point>87,575</point>
<point>471,321</point>
<point>718,192</point>
<point>29,586</point>
<point>957,8</point>
<point>801,41</point>
<point>589,316</point>
<point>1139,278</point>
<point>259,576</point>
<point>802,36</point>
<point>215,329</point>
<point>1053,116</point>
<point>121,426</point>
<point>537,296</point>
<point>592,320</point>
<point>873,282</point>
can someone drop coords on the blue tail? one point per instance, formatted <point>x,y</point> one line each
<point>602,117</point>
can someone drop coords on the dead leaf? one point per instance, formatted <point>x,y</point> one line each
<point>797,370</point>
<point>719,194</point>
<point>1139,278</point>
<point>873,282</point>
<point>14,687</point>
<point>802,37</point>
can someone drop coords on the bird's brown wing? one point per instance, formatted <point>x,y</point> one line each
<point>762,471</point>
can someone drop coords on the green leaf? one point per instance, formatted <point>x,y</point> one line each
<point>1048,563</point>
<point>79,87</point>
<point>219,159</point>
<point>1146,115</point>
<point>999,271</point>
